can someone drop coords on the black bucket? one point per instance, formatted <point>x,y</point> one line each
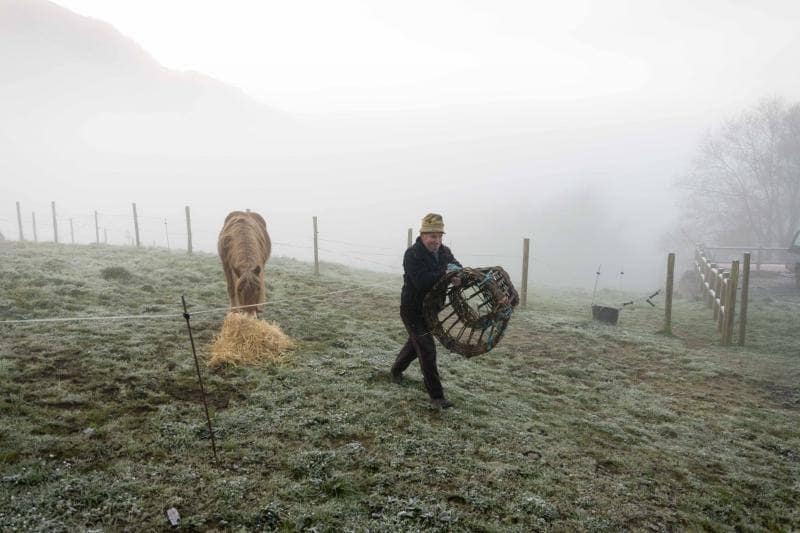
<point>605,314</point>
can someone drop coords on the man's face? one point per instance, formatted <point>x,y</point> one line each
<point>432,241</point>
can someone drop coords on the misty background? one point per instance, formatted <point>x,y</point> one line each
<point>569,125</point>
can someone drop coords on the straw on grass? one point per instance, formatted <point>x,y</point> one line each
<point>245,340</point>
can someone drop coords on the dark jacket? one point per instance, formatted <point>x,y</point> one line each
<point>421,272</point>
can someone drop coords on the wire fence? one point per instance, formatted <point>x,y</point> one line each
<point>209,311</point>
<point>141,228</point>
<point>144,228</point>
<point>175,230</point>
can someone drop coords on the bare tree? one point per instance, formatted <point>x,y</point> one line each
<point>791,151</point>
<point>744,184</point>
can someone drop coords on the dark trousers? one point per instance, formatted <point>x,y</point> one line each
<point>419,345</point>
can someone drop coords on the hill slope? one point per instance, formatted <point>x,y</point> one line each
<point>567,425</point>
<point>73,88</point>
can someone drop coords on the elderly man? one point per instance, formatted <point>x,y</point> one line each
<point>424,264</point>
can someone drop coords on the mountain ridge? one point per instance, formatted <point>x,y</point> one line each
<point>62,69</point>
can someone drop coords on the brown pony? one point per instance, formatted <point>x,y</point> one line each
<point>244,248</point>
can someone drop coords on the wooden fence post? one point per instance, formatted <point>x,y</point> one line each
<point>136,224</point>
<point>33,219</point>
<point>410,234</point>
<point>698,262</point>
<point>19,223</point>
<point>713,295</point>
<point>96,230</point>
<point>730,304</point>
<point>166,232</point>
<point>189,230</point>
<point>703,268</point>
<point>704,278</point>
<point>716,276</point>
<point>668,303</point>
<point>745,298</point>
<point>71,232</point>
<point>55,224</point>
<point>721,302</point>
<point>526,244</point>
<point>316,250</point>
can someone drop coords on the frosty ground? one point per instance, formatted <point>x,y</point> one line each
<point>568,425</point>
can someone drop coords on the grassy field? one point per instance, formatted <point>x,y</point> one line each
<point>569,425</point>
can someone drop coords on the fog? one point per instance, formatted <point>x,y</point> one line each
<point>566,126</point>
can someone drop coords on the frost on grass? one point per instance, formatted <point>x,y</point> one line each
<point>246,341</point>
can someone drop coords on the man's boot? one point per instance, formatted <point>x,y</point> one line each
<point>441,403</point>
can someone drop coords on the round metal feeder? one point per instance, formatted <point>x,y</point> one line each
<point>470,319</point>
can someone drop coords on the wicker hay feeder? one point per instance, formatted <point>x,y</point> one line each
<point>470,319</point>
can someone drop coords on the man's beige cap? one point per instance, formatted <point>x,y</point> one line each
<point>432,223</point>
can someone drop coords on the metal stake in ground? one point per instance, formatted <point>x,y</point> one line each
<point>199,377</point>
<point>596,279</point>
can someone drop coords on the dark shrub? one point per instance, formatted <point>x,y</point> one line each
<point>116,274</point>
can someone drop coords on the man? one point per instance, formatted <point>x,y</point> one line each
<point>424,264</point>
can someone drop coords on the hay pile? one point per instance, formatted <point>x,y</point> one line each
<point>245,340</point>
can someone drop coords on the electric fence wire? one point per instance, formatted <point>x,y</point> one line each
<point>307,247</point>
<point>364,253</point>
<point>395,266</point>
<point>198,312</point>
<point>356,244</point>
<point>491,255</point>
<point>124,215</point>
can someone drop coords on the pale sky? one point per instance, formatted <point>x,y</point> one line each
<point>322,56</point>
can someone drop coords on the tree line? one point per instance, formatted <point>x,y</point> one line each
<point>743,185</point>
